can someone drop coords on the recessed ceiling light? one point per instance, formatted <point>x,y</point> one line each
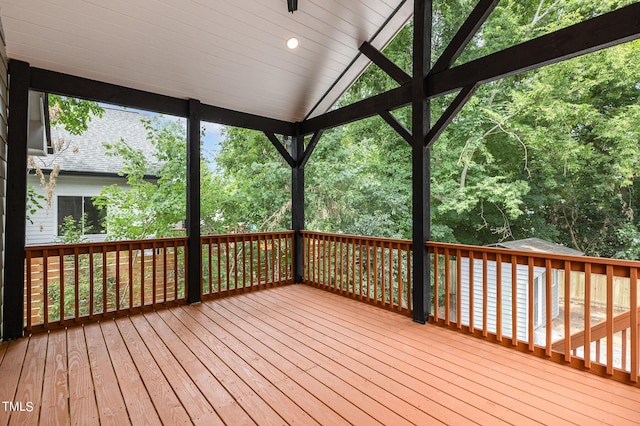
<point>292,43</point>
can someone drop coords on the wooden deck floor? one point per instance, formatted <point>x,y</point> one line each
<point>291,355</point>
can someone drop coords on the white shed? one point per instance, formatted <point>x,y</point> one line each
<point>522,289</point>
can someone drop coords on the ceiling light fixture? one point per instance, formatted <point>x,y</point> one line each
<point>293,5</point>
<point>292,43</point>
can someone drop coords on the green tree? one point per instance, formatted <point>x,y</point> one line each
<point>152,207</point>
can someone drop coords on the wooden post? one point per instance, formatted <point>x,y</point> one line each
<point>420,160</point>
<point>194,255</point>
<point>297,206</point>
<point>15,225</point>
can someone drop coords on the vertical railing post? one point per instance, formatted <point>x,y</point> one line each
<point>297,206</point>
<point>194,256</point>
<point>420,160</point>
<point>16,200</point>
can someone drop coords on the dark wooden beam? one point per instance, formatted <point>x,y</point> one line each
<point>93,90</point>
<point>449,114</point>
<point>245,120</point>
<point>281,149</point>
<point>194,255</point>
<point>297,207</point>
<point>397,126</point>
<point>387,101</point>
<point>598,33</point>
<point>421,172</point>
<point>385,64</point>
<point>16,200</point>
<point>312,145</point>
<point>466,32</point>
<point>69,85</point>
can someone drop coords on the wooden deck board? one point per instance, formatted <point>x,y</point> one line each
<point>30,383</point>
<point>288,355</point>
<point>111,406</point>
<point>10,370</point>
<point>167,404</point>
<point>54,409</point>
<point>403,369</point>
<point>135,394</point>
<point>82,401</point>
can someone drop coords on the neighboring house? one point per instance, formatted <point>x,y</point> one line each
<point>84,170</point>
<point>522,289</point>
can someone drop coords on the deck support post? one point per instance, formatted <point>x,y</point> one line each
<point>16,200</point>
<point>297,206</point>
<point>194,255</point>
<point>420,160</point>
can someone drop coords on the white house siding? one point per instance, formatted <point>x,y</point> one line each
<point>3,162</point>
<point>44,229</point>
<point>522,296</point>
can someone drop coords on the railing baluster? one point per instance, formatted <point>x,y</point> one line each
<point>361,269</point>
<point>91,283</point>
<point>164,273</point>
<point>499,297</point>
<point>530,304</point>
<point>624,349</point>
<point>514,300</point>
<point>459,289</point>
<point>130,276</point>
<point>143,277</point>
<point>587,315</point>
<point>549,306</point>
<point>634,325</point>
<point>567,311</point>
<point>45,287</point>
<point>29,289</point>
<point>104,281</point>
<point>117,279</point>
<point>61,314</point>
<point>409,279</point>
<point>154,280</point>
<point>244,261</point>
<point>609,319</point>
<point>400,280</point>
<point>76,283</point>
<point>436,284</point>
<point>176,271</point>
<point>357,245</point>
<point>447,287</point>
<point>485,294</point>
<point>375,272</point>
<point>251,260</point>
<point>471,292</point>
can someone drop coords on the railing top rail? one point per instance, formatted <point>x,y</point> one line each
<point>178,241</point>
<point>248,234</point>
<point>538,255</point>
<point>357,237</point>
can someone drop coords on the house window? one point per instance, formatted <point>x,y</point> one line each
<point>77,207</point>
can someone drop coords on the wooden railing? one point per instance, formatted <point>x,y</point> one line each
<point>241,262</point>
<point>373,270</point>
<point>527,300</point>
<point>73,283</point>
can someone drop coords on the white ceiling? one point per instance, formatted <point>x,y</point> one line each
<point>229,53</point>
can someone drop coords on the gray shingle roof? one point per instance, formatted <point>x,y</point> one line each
<point>538,245</point>
<point>87,154</point>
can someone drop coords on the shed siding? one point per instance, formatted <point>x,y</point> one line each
<point>522,296</point>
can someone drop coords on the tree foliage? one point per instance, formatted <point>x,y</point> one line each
<point>550,153</point>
